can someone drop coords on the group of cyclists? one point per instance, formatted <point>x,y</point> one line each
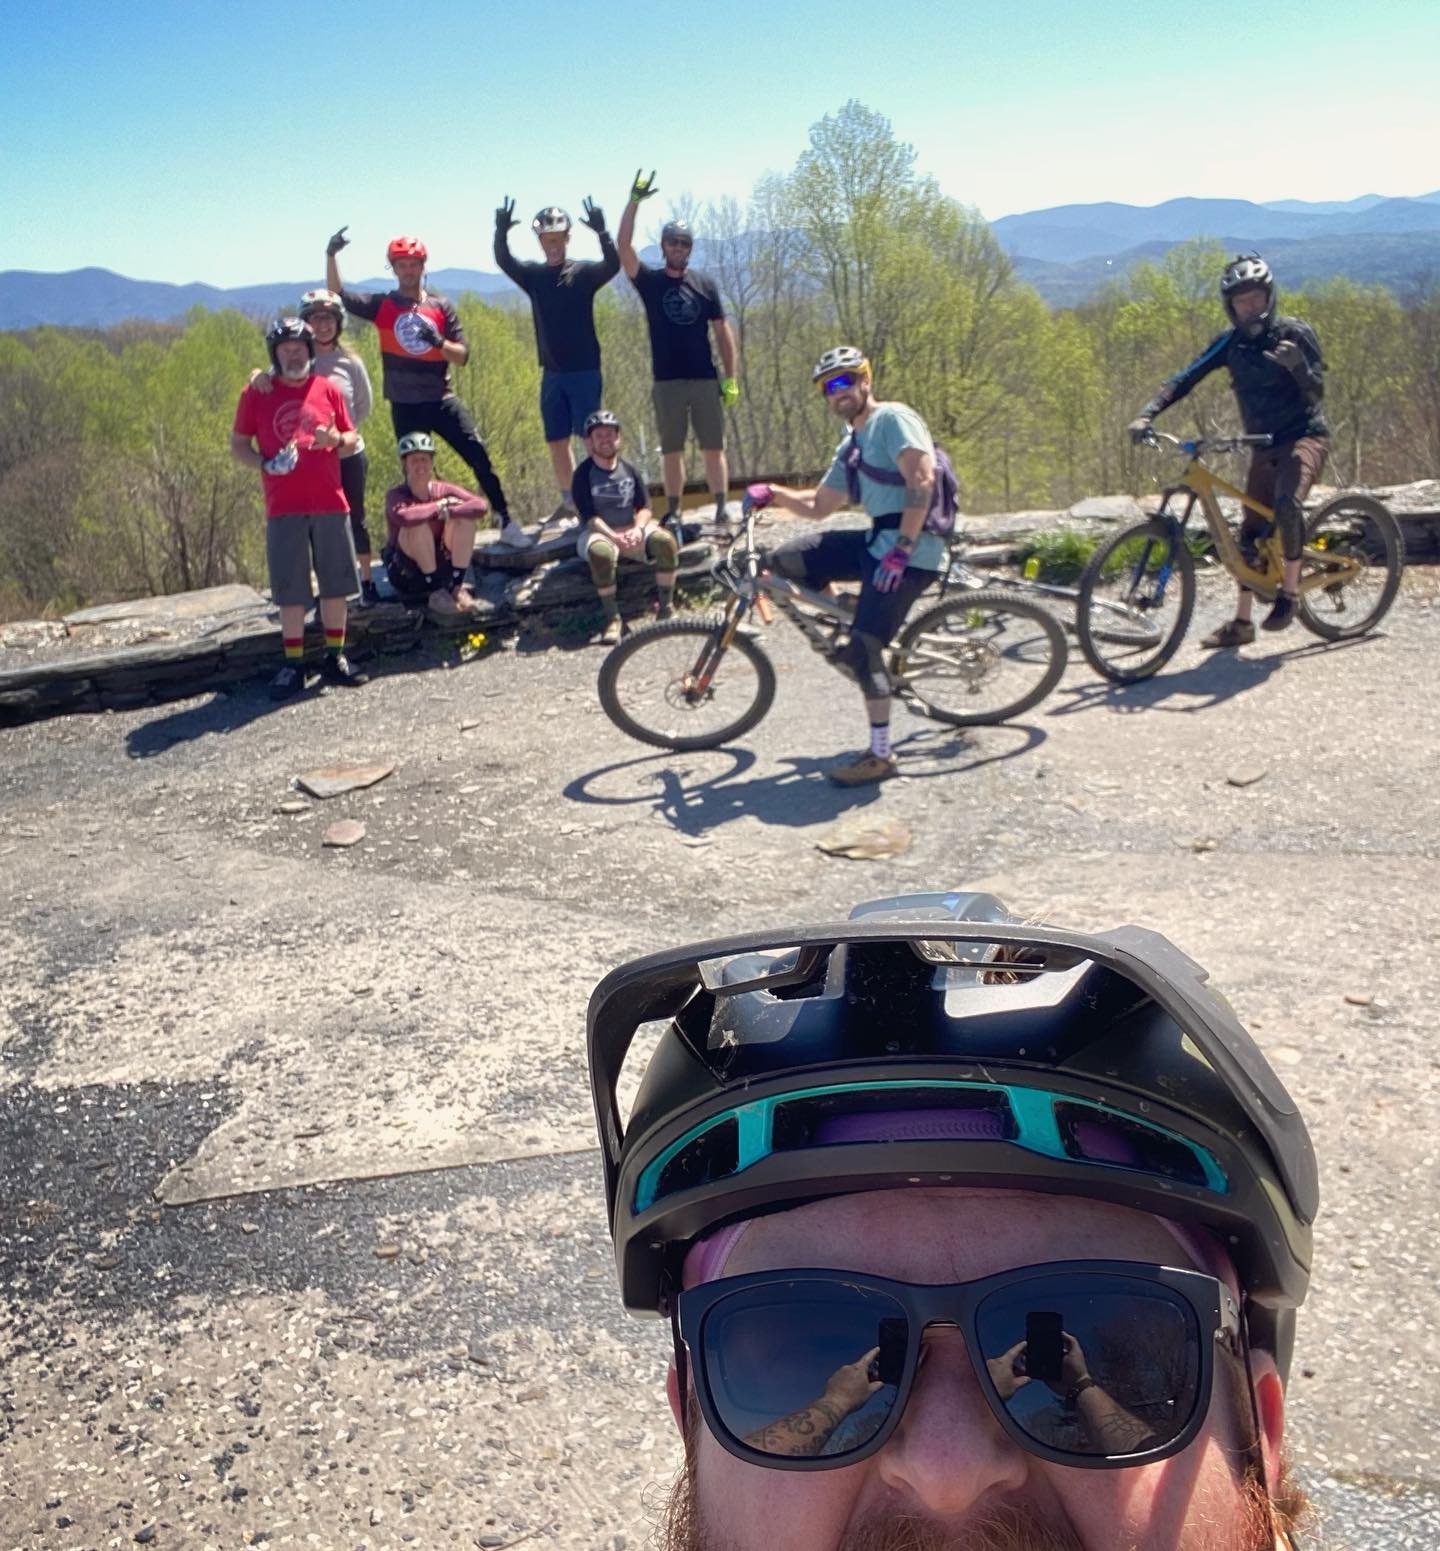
<point>886,463</point>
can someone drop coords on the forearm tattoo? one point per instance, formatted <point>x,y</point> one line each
<point>803,1432</point>
<point>917,495</point>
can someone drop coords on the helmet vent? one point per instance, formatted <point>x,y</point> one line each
<point>1094,1137</point>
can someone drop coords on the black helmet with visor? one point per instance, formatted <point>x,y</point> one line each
<point>1022,1056</point>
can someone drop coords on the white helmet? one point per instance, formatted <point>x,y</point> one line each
<point>551,219</point>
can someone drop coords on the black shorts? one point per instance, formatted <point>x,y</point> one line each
<point>843,555</point>
<point>407,578</point>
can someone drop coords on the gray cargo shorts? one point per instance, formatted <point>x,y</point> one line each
<point>292,543</point>
<point>692,399</point>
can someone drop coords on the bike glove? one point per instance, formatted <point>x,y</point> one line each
<point>284,461</point>
<point>594,216</point>
<point>1139,429</point>
<point>890,570</point>
<point>757,497</point>
<point>338,241</point>
<point>643,188</point>
<point>729,392</point>
<point>425,328</point>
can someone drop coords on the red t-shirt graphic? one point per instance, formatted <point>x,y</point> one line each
<point>293,412</point>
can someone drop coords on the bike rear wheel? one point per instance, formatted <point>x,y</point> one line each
<point>1136,596</point>
<point>672,685</point>
<point>1351,527</point>
<point>980,658</point>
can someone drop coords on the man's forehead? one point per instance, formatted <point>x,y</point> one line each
<point>948,1234</point>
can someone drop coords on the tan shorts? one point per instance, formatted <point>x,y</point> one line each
<point>695,400</point>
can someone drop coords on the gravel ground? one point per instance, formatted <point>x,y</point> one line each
<point>301,1239</point>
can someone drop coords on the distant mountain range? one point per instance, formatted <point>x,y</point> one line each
<point>1067,253</point>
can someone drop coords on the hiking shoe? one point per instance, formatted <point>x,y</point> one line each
<point>466,601</point>
<point>336,669</point>
<point>289,681</point>
<point>1234,632</point>
<point>1282,612</point>
<point>514,536</point>
<point>442,604</point>
<point>664,610</point>
<point>864,769</point>
<point>563,516</point>
<point>611,633</point>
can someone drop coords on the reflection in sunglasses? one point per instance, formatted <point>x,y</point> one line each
<point>815,1428</point>
<point>833,385</point>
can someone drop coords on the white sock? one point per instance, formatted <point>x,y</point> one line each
<point>880,739</point>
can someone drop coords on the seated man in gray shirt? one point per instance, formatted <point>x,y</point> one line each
<point>612,501</point>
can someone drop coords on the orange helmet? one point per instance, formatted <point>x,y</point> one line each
<point>406,247</point>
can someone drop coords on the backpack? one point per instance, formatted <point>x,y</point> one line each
<point>944,503</point>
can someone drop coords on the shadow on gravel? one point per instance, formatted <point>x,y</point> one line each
<point>692,802</point>
<point>1210,683</point>
<point>225,710</point>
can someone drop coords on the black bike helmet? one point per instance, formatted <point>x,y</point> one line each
<point>601,417</point>
<point>1247,270</point>
<point>677,231</point>
<point>551,219</point>
<point>288,328</point>
<point>843,358</point>
<point>1016,1056</point>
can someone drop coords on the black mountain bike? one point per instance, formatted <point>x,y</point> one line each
<point>976,658</point>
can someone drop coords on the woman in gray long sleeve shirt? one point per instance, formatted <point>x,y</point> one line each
<point>325,313</point>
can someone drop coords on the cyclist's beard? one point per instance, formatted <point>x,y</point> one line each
<point>1251,1527</point>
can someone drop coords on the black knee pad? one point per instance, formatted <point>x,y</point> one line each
<point>1290,519</point>
<point>863,658</point>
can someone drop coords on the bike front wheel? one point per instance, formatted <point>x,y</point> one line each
<point>1356,529</point>
<point>980,658</point>
<point>1136,596</point>
<point>673,685</point>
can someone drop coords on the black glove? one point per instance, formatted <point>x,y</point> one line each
<point>338,241</point>
<point>1140,429</point>
<point>426,329</point>
<point>505,216</point>
<point>594,216</point>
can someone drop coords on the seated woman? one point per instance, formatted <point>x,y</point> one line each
<point>432,533</point>
<point>610,496</point>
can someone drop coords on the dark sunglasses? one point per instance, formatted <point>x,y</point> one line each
<point>833,385</point>
<point>1092,1363</point>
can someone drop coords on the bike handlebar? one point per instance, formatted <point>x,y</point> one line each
<point>1203,444</point>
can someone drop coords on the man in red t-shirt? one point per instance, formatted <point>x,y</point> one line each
<point>296,435</point>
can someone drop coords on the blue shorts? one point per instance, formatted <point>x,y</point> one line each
<point>565,400</point>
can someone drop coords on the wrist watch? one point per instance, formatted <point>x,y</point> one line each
<point>1081,1385</point>
<point>904,541</point>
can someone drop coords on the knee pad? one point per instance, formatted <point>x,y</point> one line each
<point>603,558</point>
<point>1253,531</point>
<point>863,658</point>
<point>1290,519</point>
<point>660,546</point>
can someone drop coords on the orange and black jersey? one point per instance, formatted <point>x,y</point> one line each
<point>1273,401</point>
<point>414,372</point>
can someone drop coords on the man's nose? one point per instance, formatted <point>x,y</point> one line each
<point>948,1452</point>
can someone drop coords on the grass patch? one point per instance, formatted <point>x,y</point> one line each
<point>1057,555</point>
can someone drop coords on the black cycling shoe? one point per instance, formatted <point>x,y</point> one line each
<point>336,669</point>
<point>1282,612</point>
<point>288,682</point>
<point>369,594</point>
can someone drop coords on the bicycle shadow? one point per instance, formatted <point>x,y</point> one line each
<point>1204,686</point>
<point>797,796</point>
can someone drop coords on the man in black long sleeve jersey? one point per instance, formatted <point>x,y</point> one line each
<point>1278,376</point>
<point>562,302</point>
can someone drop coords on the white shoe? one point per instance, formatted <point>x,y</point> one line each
<point>513,535</point>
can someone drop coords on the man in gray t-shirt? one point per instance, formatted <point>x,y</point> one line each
<point>894,562</point>
<point>617,523</point>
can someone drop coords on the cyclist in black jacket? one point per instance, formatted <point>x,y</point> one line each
<point>1278,375</point>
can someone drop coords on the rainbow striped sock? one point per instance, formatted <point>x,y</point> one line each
<point>294,649</point>
<point>335,640</point>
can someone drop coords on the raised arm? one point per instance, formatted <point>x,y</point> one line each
<point>332,258</point>
<point>504,220</point>
<point>640,190</point>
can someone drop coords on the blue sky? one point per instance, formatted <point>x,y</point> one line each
<point>209,142</point>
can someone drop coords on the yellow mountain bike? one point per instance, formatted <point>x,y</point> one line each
<point>1137,593</point>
